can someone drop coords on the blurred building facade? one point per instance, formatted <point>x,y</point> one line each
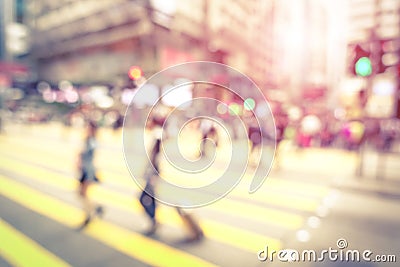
<point>309,50</point>
<point>296,51</point>
<point>14,43</point>
<point>13,31</point>
<point>97,41</point>
<point>372,19</point>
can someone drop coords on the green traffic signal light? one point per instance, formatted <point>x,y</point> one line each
<point>249,104</point>
<point>363,66</point>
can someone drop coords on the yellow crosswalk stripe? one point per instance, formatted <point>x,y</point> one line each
<point>118,163</point>
<point>60,156</point>
<point>271,216</point>
<point>65,160</point>
<point>20,250</point>
<point>39,174</point>
<point>276,192</point>
<point>165,214</point>
<point>135,245</point>
<point>277,198</point>
<point>261,214</point>
<point>249,241</point>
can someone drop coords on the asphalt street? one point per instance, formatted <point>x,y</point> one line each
<point>309,201</point>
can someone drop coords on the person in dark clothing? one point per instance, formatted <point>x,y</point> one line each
<point>147,199</point>
<point>88,174</point>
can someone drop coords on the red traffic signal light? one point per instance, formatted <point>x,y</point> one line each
<point>135,73</point>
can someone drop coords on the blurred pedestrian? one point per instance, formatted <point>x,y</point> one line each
<point>353,134</point>
<point>387,134</point>
<point>209,132</point>
<point>147,197</point>
<point>88,174</point>
<point>326,136</point>
<point>255,134</point>
<point>310,126</point>
<point>119,122</point>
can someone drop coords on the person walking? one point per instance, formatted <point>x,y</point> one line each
<point>208,132</point>
<point>147,197</point>
<point>88,174</point>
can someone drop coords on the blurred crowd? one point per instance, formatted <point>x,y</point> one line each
<point>300,126</point>
<point>326,130</point>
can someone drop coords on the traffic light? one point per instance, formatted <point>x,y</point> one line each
<point>361,64</point>
<point>135,73</point>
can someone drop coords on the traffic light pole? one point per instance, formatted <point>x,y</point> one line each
<point>373,48</point>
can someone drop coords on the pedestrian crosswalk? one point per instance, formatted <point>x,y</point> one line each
<point>37,173</point>
<point>108,233</point>
<point>20,250</point>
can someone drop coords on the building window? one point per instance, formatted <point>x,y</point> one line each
<point>19,10</point>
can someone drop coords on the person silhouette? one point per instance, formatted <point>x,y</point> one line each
<point>88,174</point>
